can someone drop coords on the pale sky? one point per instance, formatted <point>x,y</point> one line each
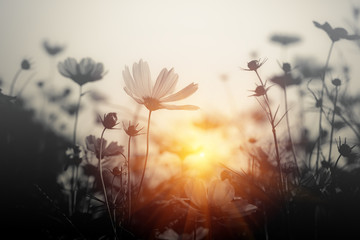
<point>201,39</point>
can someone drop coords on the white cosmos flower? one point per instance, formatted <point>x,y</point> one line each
<point>139,86</point>
<point>85,71</point>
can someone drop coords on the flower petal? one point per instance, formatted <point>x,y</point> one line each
<point>177,107</point>
<point>184,93</point>
<point>138,100</point>
<point>165,83</point>
<point>141,74</point>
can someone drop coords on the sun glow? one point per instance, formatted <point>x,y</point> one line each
<point>201,148</point>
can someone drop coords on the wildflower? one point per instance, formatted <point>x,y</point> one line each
<point>52,50</point>
<point>25,64</point>
<point>344,149</point>
<point>286,67</point>
<point>254,65</point>
<point>109,121</point>
<point>285,80</point>
<point>93,145</point>
<point>335,34</point>
<point>131,130</point>
<point>259,91</point>
<point>140,88</point>
<point>284,40</point>
<point>336,82</point>
<point>85,71</point>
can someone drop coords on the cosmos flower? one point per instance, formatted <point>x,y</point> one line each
<point>52,50</point>
<point>259,91</point>
<point>85,71</point>
<point>254,65</point>
<point>335,34</point>
<point>344,149</point>
<point>285,80</point>
<point>25,64</point>
<point>93,145</point>
<point>131,129</point>
<point>140,88</point>
<point>109,121</point>
<point>284,40</point>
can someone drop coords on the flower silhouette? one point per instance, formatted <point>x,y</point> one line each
<point>109,121</point>
<point>52,50</point>
<point>335,34</point>
<point>259,91</point>
<point>254,65</point>
<point>85,71</point>
<point>140,88</point>
<point>132,129</point>
<point>93,145</point>
<point>284,40</point>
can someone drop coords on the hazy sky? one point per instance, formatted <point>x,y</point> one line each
<point>201,39</point>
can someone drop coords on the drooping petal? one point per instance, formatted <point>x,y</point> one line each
<point>130,83</point>
<point>138,100</point>
<point>184,93</point>
<point>177,107</point>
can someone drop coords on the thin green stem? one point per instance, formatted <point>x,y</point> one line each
<point>321,106</point>
<point>146,156</point>
<point>13,81</point>
<point>103,184</point>
<point>332,122</point>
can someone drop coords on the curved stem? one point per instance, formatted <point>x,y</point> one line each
<point>337,160</point>
<point>321,106</point>
<point>103,184</point>
<point>129,179</point>
<point>332,122</point>
<point>13,81</point>
<point>146,156</point>
<point>272,122</point>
